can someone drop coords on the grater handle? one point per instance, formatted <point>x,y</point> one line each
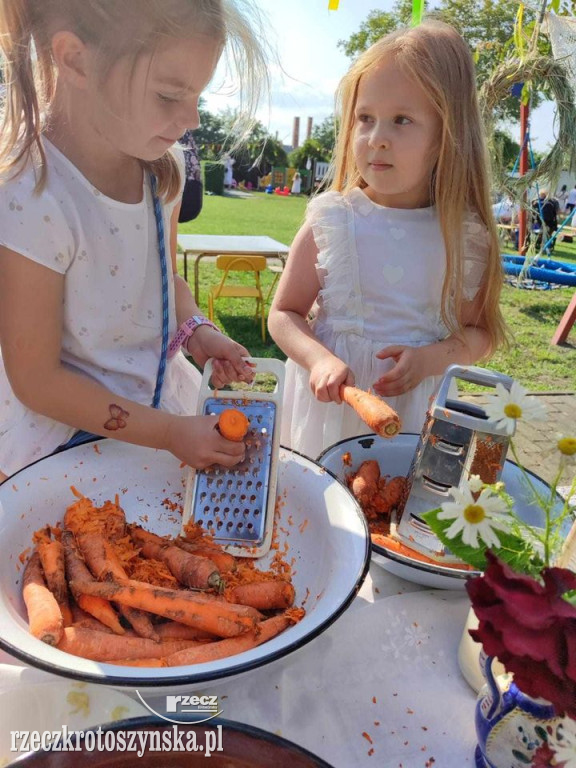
<point>258,364</point>
<point>472,374</point>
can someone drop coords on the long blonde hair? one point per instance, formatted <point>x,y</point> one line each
<point>436,57</point>
<point>116,28</point>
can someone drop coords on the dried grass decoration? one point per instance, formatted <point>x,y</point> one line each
<point>551,72</point>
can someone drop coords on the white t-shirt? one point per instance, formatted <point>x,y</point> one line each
<point>108,252</point>
<point>571,199</point>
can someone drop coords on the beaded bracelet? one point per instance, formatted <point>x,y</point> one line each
<point>186,330</point>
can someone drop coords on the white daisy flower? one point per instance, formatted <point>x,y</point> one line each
<point>564,747</point>
<point>475,483</point>
<point>475,518</point>
<point>506,407</point>
<point>566,445</point>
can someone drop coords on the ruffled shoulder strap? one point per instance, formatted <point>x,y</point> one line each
<point>476,248</point>
<point>331,217</point>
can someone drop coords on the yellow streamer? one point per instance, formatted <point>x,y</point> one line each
<point>333,5</point>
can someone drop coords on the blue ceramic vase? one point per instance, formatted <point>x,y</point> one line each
<point>510,726</point>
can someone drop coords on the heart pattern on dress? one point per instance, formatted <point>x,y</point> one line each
<point>393,274</point>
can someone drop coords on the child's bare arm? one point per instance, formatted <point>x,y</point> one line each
<point>297,291</point>
<point>31,316</point>
<point>205,342</point>
<point>414,364</point>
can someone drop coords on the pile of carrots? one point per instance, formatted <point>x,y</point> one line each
<point>113,592</point>
<point>378,495</point>
<point>381,496</point>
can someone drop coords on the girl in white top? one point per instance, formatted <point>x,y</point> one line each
<point>83,143</point>
<point>400,259</point>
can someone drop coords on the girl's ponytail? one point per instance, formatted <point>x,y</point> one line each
<point>29,84</point>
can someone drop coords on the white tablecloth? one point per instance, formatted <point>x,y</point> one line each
<point>380,687</point>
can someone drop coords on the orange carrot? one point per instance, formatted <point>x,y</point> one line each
<point>104,563</point>
<point>100,646</point>
<point>173,630</point>
<point>233,424</point>
<point>154,662</point>
<point>190,570</point>
<point>44,615</point>
<point>224,561</point>
<point>389,542</point>
<point>365,482</point>
<point>264,595</point>
<point>215,617</point>
<point>374,411</point>
<point>230,647</point>
<point>83,620</point>
<point>76,570</point>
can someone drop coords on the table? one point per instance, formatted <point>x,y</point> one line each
<point>201,246</point>
<point>380,687</point>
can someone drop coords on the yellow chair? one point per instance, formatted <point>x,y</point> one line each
<point>277,270</point>
<point>225,290</point>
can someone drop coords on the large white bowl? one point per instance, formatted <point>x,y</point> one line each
<point>319,523</point>
<point>394,457</point>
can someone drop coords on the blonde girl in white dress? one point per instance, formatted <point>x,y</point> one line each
<point>84,143</point>
<point>399,262</point>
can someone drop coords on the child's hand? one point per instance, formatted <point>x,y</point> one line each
<point>326,376</point>
<point>408,371</point>
<point>228,364</point>
<point>196,442</point>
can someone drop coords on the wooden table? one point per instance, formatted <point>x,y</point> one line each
<point>201,246</point>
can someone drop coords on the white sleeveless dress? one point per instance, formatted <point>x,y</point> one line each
<point>381,271</point>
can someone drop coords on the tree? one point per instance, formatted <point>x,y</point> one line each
<point>211,134</point>
<point>324,134</point>
<point>487,25</point>
<point>312,149</point>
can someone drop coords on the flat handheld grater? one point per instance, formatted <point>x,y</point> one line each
<point>236,505</point>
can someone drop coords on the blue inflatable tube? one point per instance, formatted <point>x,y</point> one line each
<point>547,270</point>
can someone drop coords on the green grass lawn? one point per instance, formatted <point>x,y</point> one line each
<point>532,315</point>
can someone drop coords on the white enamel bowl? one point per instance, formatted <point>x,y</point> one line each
<point>320,525</point>
<point>394,457</point>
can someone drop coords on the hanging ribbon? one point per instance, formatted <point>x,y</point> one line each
<point>333,5</point>
<point>417,12</point>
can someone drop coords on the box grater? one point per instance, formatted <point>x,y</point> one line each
<point>457,441</point>
<point>236,505</point>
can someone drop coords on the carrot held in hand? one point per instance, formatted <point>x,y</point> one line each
<point>233,424</point>
<point>264,595</point>
<point>374,411</point>
<point>44,615</point>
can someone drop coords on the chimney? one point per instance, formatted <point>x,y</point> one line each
<point>296,133</point>
<point>309,128</point>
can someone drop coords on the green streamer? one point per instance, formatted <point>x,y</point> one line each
<point>417,11</point>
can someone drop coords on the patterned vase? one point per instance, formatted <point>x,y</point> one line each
<point>513,729</point>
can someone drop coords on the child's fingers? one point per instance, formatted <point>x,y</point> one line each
<point>394,350</point>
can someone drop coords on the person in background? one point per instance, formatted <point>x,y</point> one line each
<point>92,326</point>
<point>192,195</point>
<point>296,184</point>
<point>562,196</point>
<point>571,200</point>
<point>544,218</point>
<point>400,258</point>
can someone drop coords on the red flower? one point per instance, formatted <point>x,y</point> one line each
<point>543,757</point>
<point>530,628</point>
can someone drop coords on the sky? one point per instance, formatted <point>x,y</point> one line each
<point>305,35</point>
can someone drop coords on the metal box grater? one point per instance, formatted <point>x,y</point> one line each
<point>236,505</point>
<point>457,441</point>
